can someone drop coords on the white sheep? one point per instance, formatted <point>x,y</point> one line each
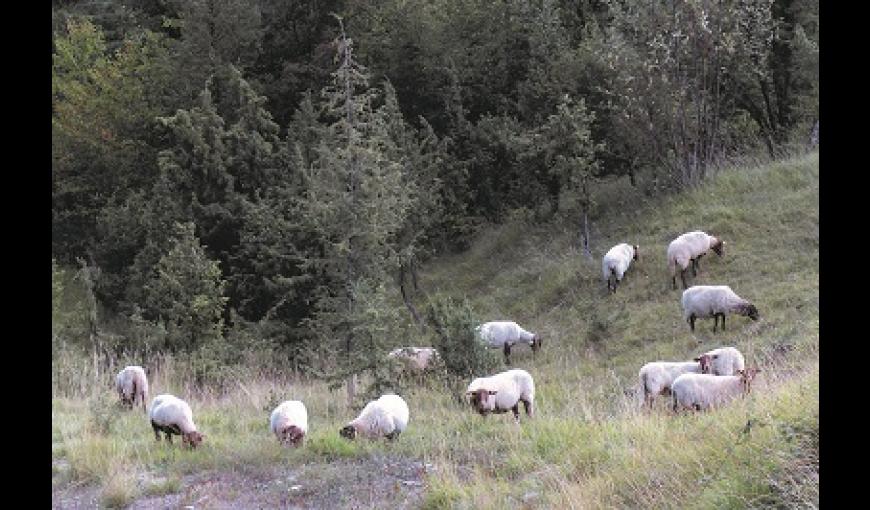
<point>504,334</point>
<point>385,417</point>
<point>503,392</point>
<point>289,422</point>
<point>616,262</point>
<point>131,384</point>
<point>171,415</point>
<point>689,248</point>
<point>415,358</point>
<point>703,391</point>
<point>705,301</point>
<point>725,361</point>
<point>657,377</point>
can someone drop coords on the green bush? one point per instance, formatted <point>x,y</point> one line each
<point>454,325</point>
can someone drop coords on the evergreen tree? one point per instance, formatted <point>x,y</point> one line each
<point>186,293</point>
<point>354,203</point>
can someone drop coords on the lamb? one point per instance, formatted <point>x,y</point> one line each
<point>657,377</point>
<point>132,384</point>
<point>505,334</point>
<point>705,301</point>
<point>289,422</point>
<point>725,361</point>
<point>386,416</point>
<point>502,392</point>
<point>690,247</point>
<point>616,262</point>
<point>704,391</point>
<point>416,358</point>
<point>171,415</point>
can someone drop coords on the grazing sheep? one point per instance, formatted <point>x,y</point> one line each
<point>689,248</point>
<point>657,377</point>
<point>703,391</point>
<point>705,301</point>
<point>725,361</point>
<point>504,334</point>
<point>616,262</point>
<point>386,416</point>
<point>289,422</point>
<point>171,415</point>
<point>132,384</point>
<point>415,358</point>
<point>503,392</point>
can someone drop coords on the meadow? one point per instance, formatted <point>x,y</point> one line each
<point>591,445</point>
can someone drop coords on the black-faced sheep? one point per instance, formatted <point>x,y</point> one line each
<point>171,415</point>
<point>385,417</point>
<point>725,361</point>
<point>615,263</point>
<point>657,377</point>
<point>503,392</point>
<point>289,422</point>
<point>504,334</point>
<point>131,384</point>
<point>704,391</point>
<point>705,301</point>
<point>688,249</point>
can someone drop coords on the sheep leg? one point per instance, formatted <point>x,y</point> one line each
<point>715,321</point>
<point>683,277</point>
<point>528,406</point>
<point>156,431</point>
<point>692,322</point>
<point>723,322</point>
<point>694,271</point>
<point>168,437</point>
<point>516,411</point>
<point>507,354</point>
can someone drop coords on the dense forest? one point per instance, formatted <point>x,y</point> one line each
<point>233,177</point>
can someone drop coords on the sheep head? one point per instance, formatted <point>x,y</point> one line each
<point>348,432</point>
<point>749,310</point>
<point>292,435</point>
<point>717,246</point>
<point>706,361</point>
<point>480,400</point>
<point>192,439</point>
<point>746,376</point>
<point>537,341</point>
<point>635,251</point>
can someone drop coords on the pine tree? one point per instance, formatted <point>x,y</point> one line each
<point>354,204</point>
<point>187,292</point>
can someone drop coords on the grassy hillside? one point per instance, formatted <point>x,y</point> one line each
<point>590,446</point>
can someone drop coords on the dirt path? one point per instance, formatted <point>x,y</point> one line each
<point>378,481</point>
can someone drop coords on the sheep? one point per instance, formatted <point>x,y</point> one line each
<point>289,422</point>
<point>416,358</point>
<point>690,247</point>
<point>657,377</point>
<point>703,391</point>
<point>505,334</point>
<point>386,416</point>
<point>725,361</point>
<point>171,415</point>
<point>132,384</point>
<point>616,262</point>
<point>502,392</point>
<point>705,301</point>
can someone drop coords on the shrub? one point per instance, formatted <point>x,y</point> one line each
<point>463,355</point>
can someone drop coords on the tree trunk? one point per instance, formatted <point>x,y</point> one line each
<point>408,304</point>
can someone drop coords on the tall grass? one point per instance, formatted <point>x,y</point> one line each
<point>590,444</point>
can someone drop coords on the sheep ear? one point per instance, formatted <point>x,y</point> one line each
<point>493,392</point>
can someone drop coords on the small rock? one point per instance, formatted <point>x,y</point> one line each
<point>530,496</point>
<point>295,487</point>
<point>412,483</point>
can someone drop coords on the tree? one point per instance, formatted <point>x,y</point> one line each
<point>186,293</point>
<point>354,204</point>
